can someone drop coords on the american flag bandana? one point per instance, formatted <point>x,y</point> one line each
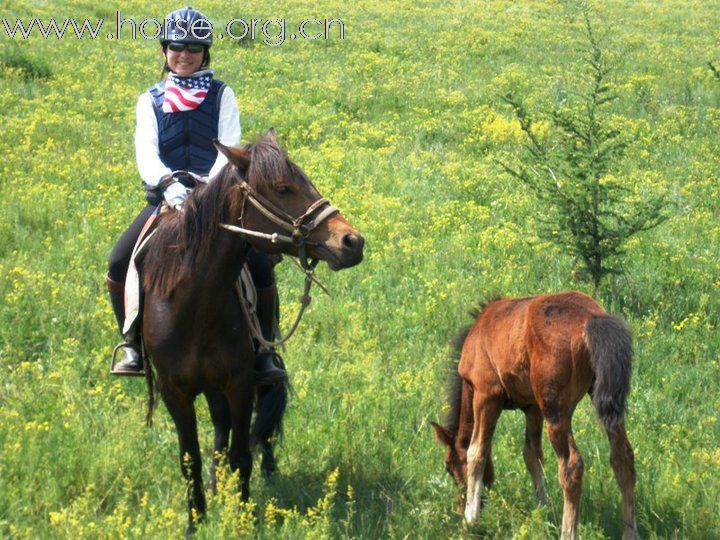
<point>186,93</point>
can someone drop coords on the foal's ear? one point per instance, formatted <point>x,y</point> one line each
<point>237,156</point>
<point>443,435</point>
<point>271,137</point>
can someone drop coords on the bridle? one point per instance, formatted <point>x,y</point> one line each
<point>299,228</point>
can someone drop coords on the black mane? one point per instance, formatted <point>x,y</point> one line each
<point>182,239</point>
<point>454,382</point>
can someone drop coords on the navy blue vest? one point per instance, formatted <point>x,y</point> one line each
<point>185,138</point>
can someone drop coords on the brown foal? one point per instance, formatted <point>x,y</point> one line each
<point>540,354</point>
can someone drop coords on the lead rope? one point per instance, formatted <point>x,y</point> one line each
<point>299,231</point>
<point>254,324</point>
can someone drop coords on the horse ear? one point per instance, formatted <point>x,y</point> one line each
<point>443,435</point>
<point>270,136</point>
<point>237,156</point>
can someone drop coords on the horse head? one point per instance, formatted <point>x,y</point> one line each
<point>278,209</point>
<point>455,460</point>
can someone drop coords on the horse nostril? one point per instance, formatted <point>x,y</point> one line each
<point>353,241</point>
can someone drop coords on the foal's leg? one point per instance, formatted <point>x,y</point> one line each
<point>622,460</point>
<point>240,397</point>
<point>570,471</point>
<point>486,413</point>
<point>182,411</point>
<point>220,415</point>
<point>532,451</point>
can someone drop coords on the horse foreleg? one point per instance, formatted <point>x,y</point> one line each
<point>240,399</point>
<point>268,465</point>
<point>182,411</point>
<point>570,472</point>
<point>271,404</point>
<point>489,473</point>
<point>220,415</point>
<point>532,451</point>
<point>622,460</point>
<point>486,413</point>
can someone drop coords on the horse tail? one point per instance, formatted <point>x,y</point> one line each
<point>272,401</point>
<point>150,380</point>
<point>610,345</point>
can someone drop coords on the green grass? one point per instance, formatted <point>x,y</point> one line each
<point>400,125</point>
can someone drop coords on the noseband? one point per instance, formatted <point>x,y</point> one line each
<point>299,228</point>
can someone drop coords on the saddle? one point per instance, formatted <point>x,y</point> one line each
<point>133,287</point>
<point>245,287</point>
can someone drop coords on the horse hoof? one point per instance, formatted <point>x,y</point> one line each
<point>269,472</point>
<point>471,515</point>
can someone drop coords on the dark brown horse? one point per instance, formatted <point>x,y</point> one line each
<point>193,326</point>
<point>540,354</point>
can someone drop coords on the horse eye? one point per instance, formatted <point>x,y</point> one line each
<point>282,189</point>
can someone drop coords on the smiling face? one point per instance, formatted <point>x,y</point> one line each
<point>184,63</point>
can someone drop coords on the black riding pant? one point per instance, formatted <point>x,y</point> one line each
<point>261,268</point>
<point>120,254</point>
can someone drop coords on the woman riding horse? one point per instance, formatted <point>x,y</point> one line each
<point>176,121</point>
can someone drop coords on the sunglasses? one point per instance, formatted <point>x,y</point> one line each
<point>191,47</point>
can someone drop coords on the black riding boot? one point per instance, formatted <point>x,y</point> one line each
<point>130,362</point>
<point>269,367</point>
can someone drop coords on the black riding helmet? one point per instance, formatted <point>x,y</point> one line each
<point>181,26</point>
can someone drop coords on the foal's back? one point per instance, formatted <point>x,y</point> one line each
<point>517,344</point>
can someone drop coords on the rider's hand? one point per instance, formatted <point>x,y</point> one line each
<point>175,194</point>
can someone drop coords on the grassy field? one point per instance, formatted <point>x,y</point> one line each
<point>401,125</point>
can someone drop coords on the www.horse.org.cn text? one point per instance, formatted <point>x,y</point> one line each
<point>272,32</point>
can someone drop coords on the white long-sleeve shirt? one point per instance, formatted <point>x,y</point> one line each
<point>147,149</point>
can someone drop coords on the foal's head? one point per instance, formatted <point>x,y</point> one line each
<point>450,436</point>
<point>265,166</point>
<point>455,459</point>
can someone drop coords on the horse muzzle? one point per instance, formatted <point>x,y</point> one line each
<point>342,246</point>
<point>348,252</point>
<point>353,245</point>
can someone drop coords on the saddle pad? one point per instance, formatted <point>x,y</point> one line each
<point>132,279</point>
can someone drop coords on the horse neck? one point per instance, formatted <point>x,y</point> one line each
<point>217,273</point>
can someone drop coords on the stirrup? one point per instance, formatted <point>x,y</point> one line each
<point>113,361</point>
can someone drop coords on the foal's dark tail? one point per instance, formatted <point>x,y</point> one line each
<point>271,404</point>
<point>610,344</point>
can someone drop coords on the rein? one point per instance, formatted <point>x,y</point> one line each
<point>300,229</point>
